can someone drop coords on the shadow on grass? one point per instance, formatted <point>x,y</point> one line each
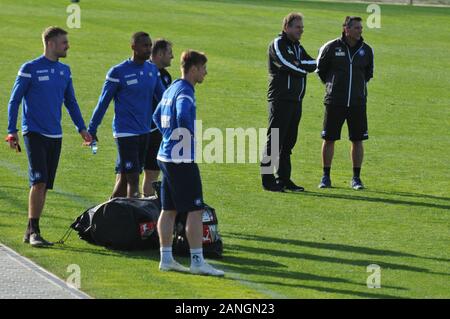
<point>339,261</point>
<point>406,194</point>
<point>102,251</point>
<point>249,267</point>
<point>330,246</point>
<point>357,197</point>
<point>336,291</point>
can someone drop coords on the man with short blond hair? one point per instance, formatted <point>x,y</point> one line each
<point>42,86</point>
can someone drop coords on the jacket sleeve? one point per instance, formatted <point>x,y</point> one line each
<point>19,90</point>
<point>72,105</point>
<point>370,66</point>
<point>110,88</point>
<point>159,88</point>
<point>324,62</point>
<point>185,112</point>
<point>307,62</point>
<point>157,117</point>
<point>284,61</point>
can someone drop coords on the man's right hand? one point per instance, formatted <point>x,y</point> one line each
<point>13,140</point>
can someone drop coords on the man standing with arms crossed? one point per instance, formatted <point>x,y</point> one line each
<point>288,66</point>
<point>345,65</point>
<point>161,57</point>
<point>181,188</point>
<point>132,84</point>
<point>42,86</point>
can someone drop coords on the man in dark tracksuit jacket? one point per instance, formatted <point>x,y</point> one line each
<point>288,66</point>
<point>345,65</point>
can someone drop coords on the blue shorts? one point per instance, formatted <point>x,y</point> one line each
<point>181,187</point>
<point>131,153</point>
<point>43,158</point>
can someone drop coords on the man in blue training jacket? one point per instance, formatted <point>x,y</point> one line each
<point>181,188</point>
<point>132,84</point>
<point>42,86</point>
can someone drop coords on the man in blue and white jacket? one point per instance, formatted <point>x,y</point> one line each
<point>132,84</point>
<point>42,86</point>
<point>181,188</point>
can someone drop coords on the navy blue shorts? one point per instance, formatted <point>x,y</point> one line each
<point>335,116</point>
<point>152,151</point>
<point>131,153</point>
<point>43,158</point>
<point>181,187</point>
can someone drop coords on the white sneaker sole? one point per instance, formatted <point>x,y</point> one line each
<point>201,273</point>
<point>173,268</point>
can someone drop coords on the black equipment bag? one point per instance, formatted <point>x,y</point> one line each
<point>130,224</point>
<point>121,223</point>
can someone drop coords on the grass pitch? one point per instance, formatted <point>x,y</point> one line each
<point>312,245</point>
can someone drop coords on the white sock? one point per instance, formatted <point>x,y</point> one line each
<point>197,257</point>
<point>166,255</point>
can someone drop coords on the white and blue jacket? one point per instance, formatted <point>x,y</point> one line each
<point>42,86</point>
<point>175,117</point>
<point>132,86</point>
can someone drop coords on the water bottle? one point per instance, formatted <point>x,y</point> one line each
<point>94,147</point>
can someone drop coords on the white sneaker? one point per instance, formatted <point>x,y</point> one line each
<point>206,269</point>
<point>173,266</point>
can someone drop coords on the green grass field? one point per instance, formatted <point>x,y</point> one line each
<point>311,245</point>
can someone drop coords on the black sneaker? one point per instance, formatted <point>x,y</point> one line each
<point>37,241</point>
<point>290,186</point>
<point>26,238</point>
<point>270,184</point>
<point>356,183</point>
<point>325,182</point>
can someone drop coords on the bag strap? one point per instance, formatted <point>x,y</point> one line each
<point>65,237</point>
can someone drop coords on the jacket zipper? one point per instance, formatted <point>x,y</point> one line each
<point>289,81</point>
<point>364,87</point>
<point>303,88</point>
<point>351,74</point>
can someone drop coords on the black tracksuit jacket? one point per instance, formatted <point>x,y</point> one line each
<point>288,65</point>
<point>345,72</point>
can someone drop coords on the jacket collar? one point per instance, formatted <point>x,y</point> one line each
<point>358,44</point>
<point>284,36</point>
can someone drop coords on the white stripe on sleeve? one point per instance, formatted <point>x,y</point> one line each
<point>283,60</point>
<point>112,79</point>
<point>312,62</point>
<point>25,75</point>
<point>184,96</point>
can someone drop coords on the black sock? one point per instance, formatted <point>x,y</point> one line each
<point>33,225</point>
<point>326,171</point>
<point>356,171</point>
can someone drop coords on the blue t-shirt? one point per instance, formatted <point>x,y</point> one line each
<point>175,118</point>
<point>132,86</point>
<point>42,86</point>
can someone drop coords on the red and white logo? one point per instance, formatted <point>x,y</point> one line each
<point>147,229</point>
<point>207,238</point>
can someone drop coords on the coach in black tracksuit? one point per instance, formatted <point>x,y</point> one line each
<point>288,66</point>
<point>345,65</point>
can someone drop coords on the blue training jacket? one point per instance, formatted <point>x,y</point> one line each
<point>175,118</point>
<point>42,86</point>
<point>133,87</point>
